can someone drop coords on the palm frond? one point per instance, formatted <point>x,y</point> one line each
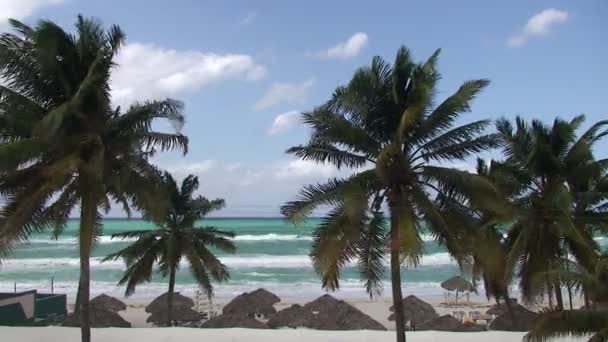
<point>576,323</point>
<point>371,250</point>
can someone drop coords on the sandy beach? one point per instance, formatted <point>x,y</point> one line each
<point>378,309</point>
<point>54,334</point>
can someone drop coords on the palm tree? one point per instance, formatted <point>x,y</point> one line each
<point>64,147</point>
<point>550,164</point>
<point>175,239</point>
<point>592,320</point>
<point>481,231</point>
<point>384,125</point>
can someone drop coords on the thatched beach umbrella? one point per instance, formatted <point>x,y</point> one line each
<point>265,296</point>
<point>105,302</point>
<point>521,320</point>
<point>329,313</point>
<point>458,284</point>
<point>99,318</point>
<point>259,301</point>
<point>292,317</point>
<point>324,313</point>
<point>234,321</point>
<point>160,303</point>
<point>443,323</point>
<point>416,311</point>
<point>179,314</point>
<point>355,319</point>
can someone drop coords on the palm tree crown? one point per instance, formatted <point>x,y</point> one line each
<point>384,124</point>
<point>63,146</point>
<point>177,238</point>
<point>559,195</point>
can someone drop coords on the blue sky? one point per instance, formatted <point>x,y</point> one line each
<point>240,65</point>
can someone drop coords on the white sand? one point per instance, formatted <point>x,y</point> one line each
<point>54,334</point>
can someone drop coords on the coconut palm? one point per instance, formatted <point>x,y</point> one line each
<point>592,320</point>
<point>177,238</point>
<point>481,231</point>
<point>63,147</point>
<point>384,125</point>
<point>549,163</point>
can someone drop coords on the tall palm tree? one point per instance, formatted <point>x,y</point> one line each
<point>175,239</point>
<point>550,163</point>
<point>384,125</point>
<point>64,147</point>
<point>592,320</point>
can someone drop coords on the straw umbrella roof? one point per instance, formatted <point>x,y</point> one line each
<point>293,317</point>
<point>355,319</point>
<point>443,323</point>
<point>160,303</point>
<point>416,311</point>
<point>105,302</point>
<point>324,313</point>
<point>259,301</point>
<point>179,314</point>
<point>502,308</point>
<point>522,320</point>
<point>265,296</point>
<point>323,303</point>
<point>99,319</point>
<point>234,321</point>
<point>329,313</point>
<point>459,284</point>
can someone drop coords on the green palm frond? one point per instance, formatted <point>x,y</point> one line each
<point>326,194</point>
<point>215,237</point>
<point>577,323</point>
<point>335,244</point>
<point>371,251</point>
<point>324,153</point>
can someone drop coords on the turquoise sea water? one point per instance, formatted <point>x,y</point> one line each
<point>271,253</point>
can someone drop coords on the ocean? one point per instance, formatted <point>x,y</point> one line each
<point>271,253</point>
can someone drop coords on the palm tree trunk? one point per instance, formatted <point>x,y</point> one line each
<point>88,217</point>
<point>170,296</point>
<point>570,296</point>
<point>85,277</point>
<point>558,297</point>
<point>77,303</point>
<point>396,280</point>
<point>550,296</point>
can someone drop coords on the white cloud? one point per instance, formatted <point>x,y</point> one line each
<point>540,24</point>
<point>348,49</point>
<point>285,93</point>
<point>299,168</point>
<point>200,167</point>
<point>284,122</point>
<point>251,188</point>
<point>148,71</point>
<point>21,9</point>
<point>248,19</point>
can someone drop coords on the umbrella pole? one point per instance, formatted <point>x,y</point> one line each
<point>456,296</point>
